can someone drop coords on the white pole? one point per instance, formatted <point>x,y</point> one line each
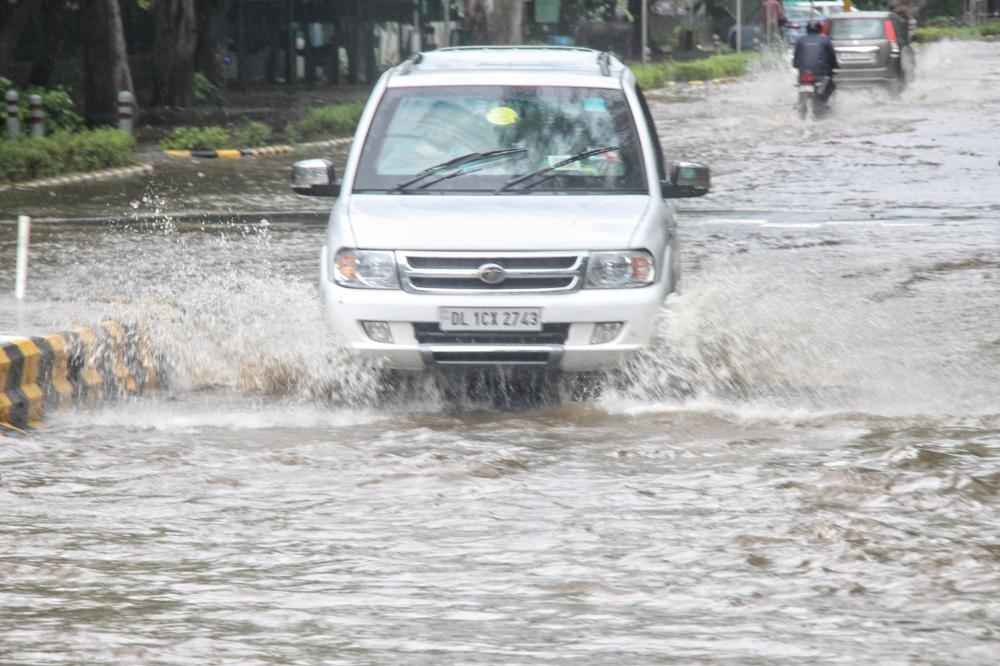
<point>739,26</point>
<point>645,29</point>
<point>36,115</point>
<point>23,235</point>
<point>13,122</point>
<point>125,111</point>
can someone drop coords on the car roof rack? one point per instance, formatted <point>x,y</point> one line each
<point>410,63</point>
<point>604,62</point>
<point>603,58</point>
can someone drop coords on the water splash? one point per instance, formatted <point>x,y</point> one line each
<point>785,340</point>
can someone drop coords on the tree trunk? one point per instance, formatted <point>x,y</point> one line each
<point>174,40</point>
<point>105,60</point>
<point>212,38</point>
<point>503,21</point>
<point>494,21</point>
<point>13,19</point>
<point>353,45</point>
<point>53,23</point>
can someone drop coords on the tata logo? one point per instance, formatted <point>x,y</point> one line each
<point>492,273</point>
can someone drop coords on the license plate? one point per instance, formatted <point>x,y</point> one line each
<point>855,57</point>
<point>491,319</point>
<point>806,88</point>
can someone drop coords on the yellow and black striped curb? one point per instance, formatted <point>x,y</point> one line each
<point>106,174</point>
<point>239,153</point>
<point>82,365</point>
<point>696,82</point>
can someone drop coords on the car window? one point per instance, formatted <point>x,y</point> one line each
<point>420,127</point>
<point>802,13</point>
<point>857,29</point>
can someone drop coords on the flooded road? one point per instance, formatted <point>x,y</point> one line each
<point>805,468</point>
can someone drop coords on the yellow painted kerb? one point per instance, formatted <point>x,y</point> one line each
<point>61,388</point>
<point>5,403</point>
<point>29,380</point>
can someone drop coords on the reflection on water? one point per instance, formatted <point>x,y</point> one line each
<point>803,468</point>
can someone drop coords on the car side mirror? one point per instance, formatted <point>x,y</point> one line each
<point>687,179</point>
<point>315,178</point>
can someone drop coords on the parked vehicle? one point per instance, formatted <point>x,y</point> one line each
<point>873,49</point>
<point>501,206</point>
<point>827,8</point>
<point>798,17</point>
<point>752,37</point>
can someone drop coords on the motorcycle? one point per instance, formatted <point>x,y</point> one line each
<point>813,95</point>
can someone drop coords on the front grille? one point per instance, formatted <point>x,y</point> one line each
<point>446,261</point>
<point>463,272</point>
<point>508,285</point>
<point>491,358</point>
<point>551,334</point>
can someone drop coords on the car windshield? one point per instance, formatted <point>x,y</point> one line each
<point>857,29</point>
<point>424,128</point>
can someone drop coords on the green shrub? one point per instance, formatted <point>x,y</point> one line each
<point>990,29</point>
<point>655,75</point>
<point>217,138</point>
<point>251,135</point>
<point>926,35</point>
<point>206,92</point>
<point>714,67</point>
<point>325,122</point>
<point>60,112</point>
<point>62,152</point>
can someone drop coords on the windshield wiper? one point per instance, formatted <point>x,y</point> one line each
<point>548,171</point>
<point>455,162</point>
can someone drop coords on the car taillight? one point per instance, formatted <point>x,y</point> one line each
<point>807,77</point>
<point>890,30</point>
<point>890,34</point>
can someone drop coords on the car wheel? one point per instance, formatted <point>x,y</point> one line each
<point>896,88</point>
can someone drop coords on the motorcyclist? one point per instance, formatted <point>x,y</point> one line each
<point>814,53</point>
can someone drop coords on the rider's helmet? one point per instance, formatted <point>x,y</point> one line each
<point>814,27</point>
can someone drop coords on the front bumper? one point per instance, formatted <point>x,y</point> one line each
<point>874,76</point>
<point>579,311</point>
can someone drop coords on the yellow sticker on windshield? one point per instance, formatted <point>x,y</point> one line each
<point>501,115</point>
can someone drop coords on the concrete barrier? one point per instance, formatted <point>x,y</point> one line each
<point>239,153</point>
<point>80,366</point>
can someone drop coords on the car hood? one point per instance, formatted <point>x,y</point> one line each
<point>516,223</point>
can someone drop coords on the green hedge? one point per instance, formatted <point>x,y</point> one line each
<point>251,135</point>
<point>60,153</point>
<point>656,75</point>
<point>926,35</point>
<point>938,33</point>
<point>325,122</point>
<point>991,29</point>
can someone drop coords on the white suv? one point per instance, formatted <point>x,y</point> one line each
<point>501,206</point>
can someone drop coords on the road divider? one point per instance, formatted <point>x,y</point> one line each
<point>240,153</point>
<point>83,365</point>
<point>89,176</point>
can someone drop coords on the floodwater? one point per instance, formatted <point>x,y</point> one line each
<point>805,468</point>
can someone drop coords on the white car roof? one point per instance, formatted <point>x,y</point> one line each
<point>510,65</point>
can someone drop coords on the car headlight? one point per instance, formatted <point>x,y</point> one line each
<point>365,269</point>
<point>614,270</point>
